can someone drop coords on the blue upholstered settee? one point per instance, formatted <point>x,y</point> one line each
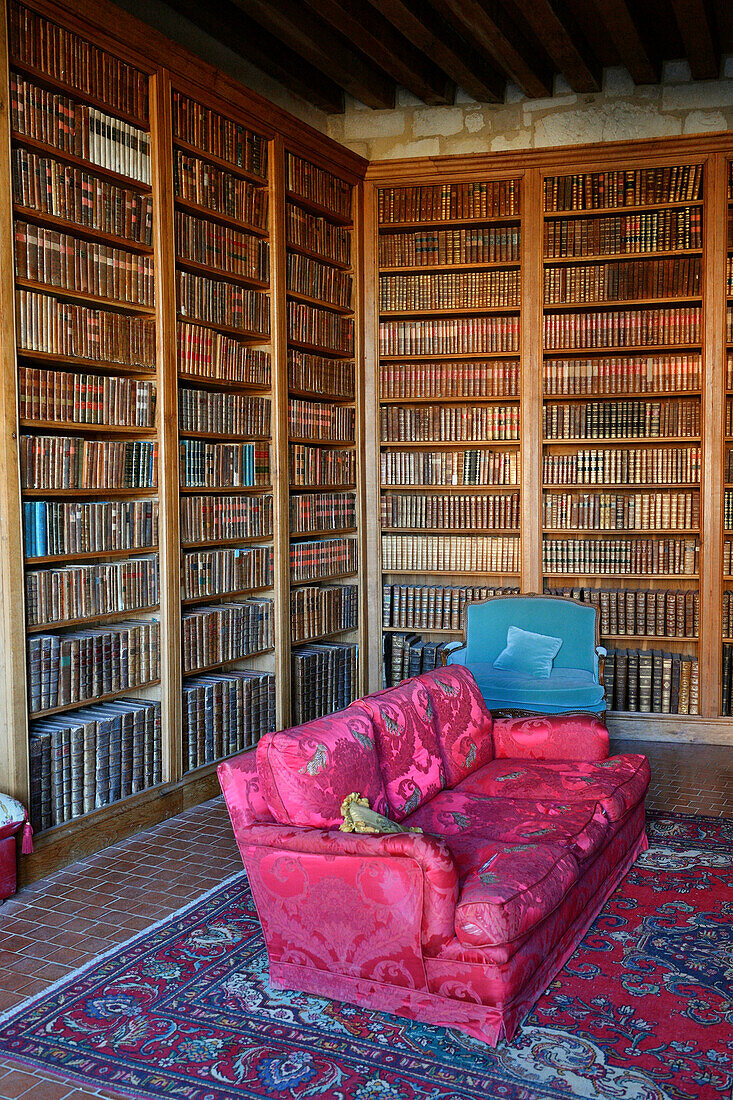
<point>573,683</point>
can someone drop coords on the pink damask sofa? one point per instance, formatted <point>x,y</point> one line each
<point>528,826</point>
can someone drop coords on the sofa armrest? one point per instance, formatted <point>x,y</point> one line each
<point>455,651</point>
<point>579,736</point>
<point>366,871</point>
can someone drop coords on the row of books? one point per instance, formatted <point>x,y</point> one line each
<point>203,353</point>
<point>623,328</point>
<point>217,302</point>
<point>321,465</point>
<point>623,280</point>
<point>320,375</point>
<point>213,133</point>
<point>448,201</point>
<point>654,231</point>
<point>316,184</point>
<point>324,679</point>
<point>727,614</point>
<point>448,423</point>
<point>449,336</point>
<point>648,681</point>
<point>223,465</point>
<point>61,260</point>
<point>432,606</point>
<point>438,247</point>
<point>221,247</point>
<point>469,467</point>
<point>462,513</point>
<point>327,609</point>
<point>48,325</point>
<point>223,413</point>
<point>728,509</point>
<point>225,713</point>
<point>70,398</point>
<point>221,518</point>
<point>621,512</point>
<point>622,466</point>
<point>92,758</point>
<point>728,416</point>
<point>218,572</point>
<point>623,374</point>
<point>89,591</point>
<point>658,612</point>
<point>729,276</point>
<point>226,632</point>
<point>653,557</point>
<point>728,557</point>
<point>624,187</point>
<point>311,561</point>
<point>304,275</point>
<point>88,527</point>
<point>71,462</point>
<point>56,51</point>
<point>450,290</point>
<point>65,191</point>
<point>62,123</point>
<point>407,655</point>
<point>208,185</point>
<point>311,512</point>
<point>321,420</point>
<point>622,419</point>
<point>317,234</point>
<point>86,664</point>
<point>727,673</point>
<point>450,553</point>
<point>457,378</point>
<point>329,331</point>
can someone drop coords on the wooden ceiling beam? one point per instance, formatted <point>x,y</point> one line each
<point>643,65</point>
<point>696,31</point>
<point>323,48</point>
<point>564,43</point>
<point>371,33</point>
<point>223,21</point>
<point>434,37</point>
<point>494,33</point>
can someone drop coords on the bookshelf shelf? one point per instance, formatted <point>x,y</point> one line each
<point>219,217</point>
<point>89,366</point>
<point>88,232</point>
<point>314,639</point>
<point>329,352</point>
<point>630,208</point>
<point>323,487</point>
<point>450,223</point>
<point>431,357</point>
<point>91,299</point>
<point>635,486</point>
<point>450,489</point>
<point>320,303</point>
<point>658,578</point>
<point>213,542</point>
<point>622,395</point>
<point>450,530</point>
<point>508,400</point>
<point>327,578</point>
<point>651,638</point>
<point>457,633</point>
<point>624,303</point>
<point>320,257</point>
<point>595,257</point>
<point>462,311</point>
<point>618,349</point>
<point>222,597</point>
<point>93,700</point>
<point>229,661</point>
<point>240,437</point>
<point>82,428</point>
<point>449,572</point>
<point>315,441</point>
<point>206,489</point>
<point>220,162</point>
<point>111,617</point>
<point>221,383</point>
<point>314,395</point>
<point>70,158</point>
<point>221,273</point>
<point>493,265</point>
<point>630,532</point>
<point>148,490</point>
<point>296,536</point>
<point>318,208</point>
<point>625,441</point>
<point>245,335</point>
<point>56,85</point>
<point>458,444</point>
<point>52,559</point>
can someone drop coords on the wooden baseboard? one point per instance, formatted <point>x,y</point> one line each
<point>679,728</point>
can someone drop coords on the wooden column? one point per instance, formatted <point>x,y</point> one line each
<point>531,382</point>
<point>367,619</point>
<point>715,242</point>
<point>280,464</point>
<point>167,423</point>
<point>13,705</point>
<point>372,566</point>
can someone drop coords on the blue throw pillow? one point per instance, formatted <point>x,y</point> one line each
<point>529,653</point>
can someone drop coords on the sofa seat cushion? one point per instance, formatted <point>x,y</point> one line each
<point>462,720</point>
<point>306,772</point>
<point>508,889</point>
<point>564,688</point>
<point>580,826</point>
<point>618,783</point>
<point>407,744</point>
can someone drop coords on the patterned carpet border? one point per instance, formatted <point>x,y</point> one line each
<point>183,1010</point>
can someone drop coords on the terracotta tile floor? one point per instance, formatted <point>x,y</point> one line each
<point>52,927</point>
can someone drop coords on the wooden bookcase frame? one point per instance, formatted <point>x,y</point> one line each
<point>167,65</point>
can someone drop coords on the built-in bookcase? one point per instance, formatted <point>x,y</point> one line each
<point>449,299</point>
<point>622,420</point>
<point>322,439</point>
<point>222,248</point>
<point>727,587</point>
<point>145,486</point>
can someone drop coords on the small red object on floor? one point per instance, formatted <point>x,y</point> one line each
<point>13,819</point>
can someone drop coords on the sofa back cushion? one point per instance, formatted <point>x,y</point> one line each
<point>407,744</point>
<point>306,772</point>
<point>463,723</point>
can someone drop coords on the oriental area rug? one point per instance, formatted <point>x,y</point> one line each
<point>642,1010</point>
